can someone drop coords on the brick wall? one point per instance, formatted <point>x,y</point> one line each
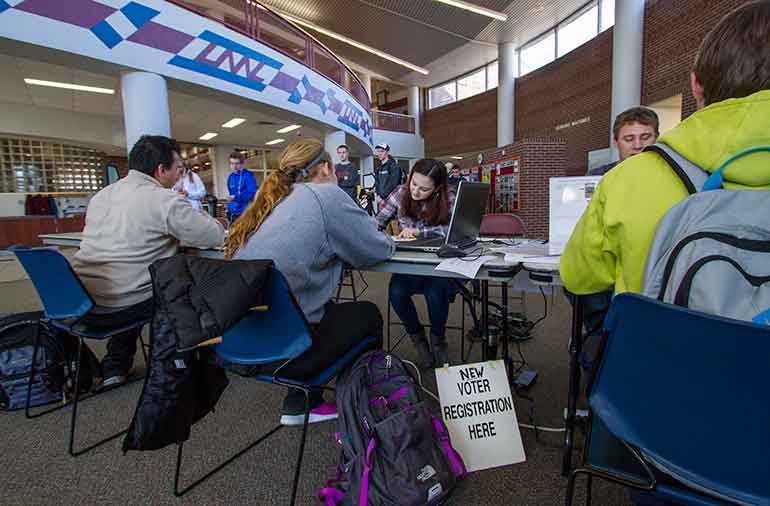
<point>468,125</point>
<point>570,98</point>
<point>670,45</point>
<point>541,159</point>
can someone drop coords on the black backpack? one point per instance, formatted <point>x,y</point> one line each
<point>394,450</point>
<point>54,365</point>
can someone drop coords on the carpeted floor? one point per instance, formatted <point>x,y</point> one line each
<point>38,471</point>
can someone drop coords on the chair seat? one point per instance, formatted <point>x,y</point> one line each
<point>608,454</point>
<point>95,332</point>
<point>331,371</point>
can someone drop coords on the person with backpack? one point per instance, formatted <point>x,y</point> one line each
<point>311,229</point>
<point>423,207</point>
<point>731,86</point>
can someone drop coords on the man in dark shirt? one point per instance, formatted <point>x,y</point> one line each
<point>633,130</point>
<point>347,173</point>
<point>388,176</point>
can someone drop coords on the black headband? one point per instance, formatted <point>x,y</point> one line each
<point>305,171</point>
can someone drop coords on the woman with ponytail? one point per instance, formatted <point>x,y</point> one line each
<point>423,207</point>
<point>310,228</point>
<point>191,187</point>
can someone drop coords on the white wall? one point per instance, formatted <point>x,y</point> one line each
<point>402,145</point>
<point>12,204</point>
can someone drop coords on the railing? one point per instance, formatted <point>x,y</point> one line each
<point>262,24</point>
<point>392,121</point>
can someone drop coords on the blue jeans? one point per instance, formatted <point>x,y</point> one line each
<point>438,293</point>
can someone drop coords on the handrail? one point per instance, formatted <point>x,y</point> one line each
<point>251,30</point>
<point>393,121</point>
<point>389,113</point>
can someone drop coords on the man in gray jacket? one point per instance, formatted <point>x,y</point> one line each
<point>129,225</point>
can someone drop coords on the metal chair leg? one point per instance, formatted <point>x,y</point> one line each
<point>301,447</point>
<point>353,285</point>
<point>589,479</point>
<point>570,494</point>
<point>35,347</point>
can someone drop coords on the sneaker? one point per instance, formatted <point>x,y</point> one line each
<point>111,382</point>
<point>322,413</point>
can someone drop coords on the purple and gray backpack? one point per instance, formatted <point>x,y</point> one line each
<point>394,450</point>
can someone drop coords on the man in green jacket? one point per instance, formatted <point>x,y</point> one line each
<point>731,85</point>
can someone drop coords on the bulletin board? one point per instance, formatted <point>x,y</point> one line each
<point>505,182</point>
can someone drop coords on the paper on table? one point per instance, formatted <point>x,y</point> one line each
<point>525,252</point>
<point>467,268</point>
<point>569,198</point>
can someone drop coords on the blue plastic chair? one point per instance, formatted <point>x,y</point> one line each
<point>680,406</point>
<point>65,302</point>
<point>264,337</point>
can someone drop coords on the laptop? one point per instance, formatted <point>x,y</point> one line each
<point>464,225</point>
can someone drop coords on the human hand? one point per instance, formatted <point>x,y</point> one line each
<point>408,233</point>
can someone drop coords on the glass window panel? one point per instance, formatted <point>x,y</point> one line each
<point>578,31</point>
<point>537,54</point>
<point>442,95</point>
<point>472,84</point>
<point>326,64</point>
<point>492,76</point>
<point>608,13</point>
<point>281,35</point>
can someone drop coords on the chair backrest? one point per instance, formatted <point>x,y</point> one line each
<point>57,285</point>
<point>691,391</point>
<point>502,225</point>
<point>280,333</point>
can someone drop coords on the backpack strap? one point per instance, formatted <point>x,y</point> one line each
<point>716,181</point>
<point>692,176</point>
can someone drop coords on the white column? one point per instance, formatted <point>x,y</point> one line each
<point>332,141</point>
<point>366,80</point>
<point>627,37</point>
<point>367,167</point>
<point>145,106</point>
<point>220,164</point>
<point>414,107</point>
<point>508,66</point>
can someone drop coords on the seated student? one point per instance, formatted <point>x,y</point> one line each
<point>633,130</point>
<point>423,207</point>
<point>191,187</point>
<point>309,227</point>
<point>129,225</point>
<point>731,85</point>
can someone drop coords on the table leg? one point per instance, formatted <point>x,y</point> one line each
<point>576,346</point>
<point>504,334</point>
<point>488,349</point>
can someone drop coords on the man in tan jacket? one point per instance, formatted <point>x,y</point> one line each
<point>129,225</point>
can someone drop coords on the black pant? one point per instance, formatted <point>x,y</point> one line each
<point>121,348</point>
<point>342,327</point>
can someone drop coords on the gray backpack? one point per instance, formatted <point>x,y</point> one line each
<point>711,251</point>
<point>395,452</point>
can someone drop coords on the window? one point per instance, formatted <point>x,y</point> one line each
<point>472,84</point>
<point>30,166</point>
<point>492,77</point>
<point>468,85</point>
<point>536,54</point>
<point>608,13</point>
<point>442,95</point>
<point>578,30</point>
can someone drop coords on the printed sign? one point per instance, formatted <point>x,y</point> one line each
<point>569,198</point>
<point>477,408</point>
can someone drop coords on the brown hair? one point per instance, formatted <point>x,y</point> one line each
<point>733,61</point>
<point>238,156</point>
<point>436,210</point>
<point>293,168</point>
<point>640,115</point>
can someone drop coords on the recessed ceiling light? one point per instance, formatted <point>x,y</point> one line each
<point>456,157</point>
<point>274,141</point>
<point>233,123</point>
<point>288,129</point>
<point>69,86</point>
<point>475,8</point>
<point>207,136</point>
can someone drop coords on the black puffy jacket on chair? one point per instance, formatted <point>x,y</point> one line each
<point>196,299</point>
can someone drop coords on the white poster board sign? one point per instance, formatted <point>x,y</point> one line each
<point>477,408</point>
<point>568,199</point>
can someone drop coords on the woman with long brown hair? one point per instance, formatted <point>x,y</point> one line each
<point>423,207</point>
<point>310,228</point>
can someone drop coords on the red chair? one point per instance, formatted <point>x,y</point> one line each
<point>507,225</point>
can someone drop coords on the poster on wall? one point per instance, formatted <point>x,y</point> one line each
<point>506,185</point>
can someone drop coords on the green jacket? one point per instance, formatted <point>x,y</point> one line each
<point>608,248</point>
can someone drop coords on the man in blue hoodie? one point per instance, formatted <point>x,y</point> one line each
<point>242,187</point>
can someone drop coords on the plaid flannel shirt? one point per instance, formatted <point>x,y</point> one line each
<point>390,208</point>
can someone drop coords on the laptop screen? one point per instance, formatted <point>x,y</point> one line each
<point>470,204</point>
